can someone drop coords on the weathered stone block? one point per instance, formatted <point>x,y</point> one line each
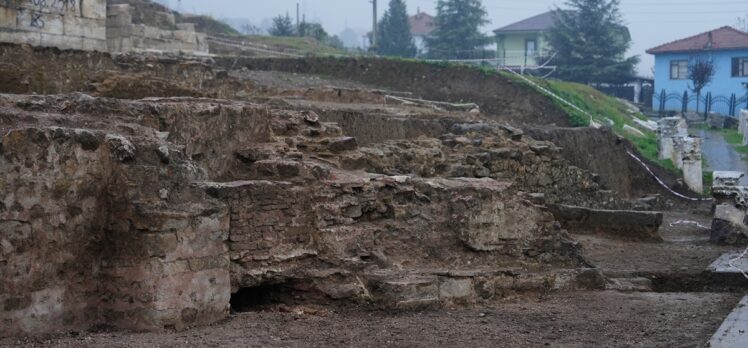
<point>728,225</point>
<point>94,9</point>
<point>8,17</point>
<point>727,178</point>
<point>84,27</point>
<point>693,175</point>
<point>742,121</point>
<point>119,16</point>
<point>455,288</point>
<point>342,144</point>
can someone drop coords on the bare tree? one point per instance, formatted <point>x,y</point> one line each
<point>742,23</point>
<point>249,29</point>
<point>700,72</point>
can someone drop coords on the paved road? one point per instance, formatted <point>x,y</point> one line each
<point>720,155</point>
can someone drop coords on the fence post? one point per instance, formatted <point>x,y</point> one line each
<point>684,108</point>
<point>707,104</point>
<point>733,102</point>
<point>663,95</point>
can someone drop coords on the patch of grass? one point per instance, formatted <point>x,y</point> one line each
<point>708,179</point>
<point>647,146</point>
<point>735,139</point>
<point>604,109</point>
<point>207,24</point>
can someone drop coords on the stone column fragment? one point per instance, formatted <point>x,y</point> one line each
<point>691,161</point>
<point>742,121</point>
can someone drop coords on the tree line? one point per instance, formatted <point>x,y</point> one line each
<point>589,37</point>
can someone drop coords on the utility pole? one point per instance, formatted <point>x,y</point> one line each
<point>374,26</point>
<point>297,17</point>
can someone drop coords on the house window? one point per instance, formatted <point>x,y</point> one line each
<point>740,67</point>
<point>679,70</point>
<point>530,48</point>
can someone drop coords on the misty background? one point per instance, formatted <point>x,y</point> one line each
<point>651,22</point>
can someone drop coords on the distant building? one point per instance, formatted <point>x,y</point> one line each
<point>522,43</point>
<point>726,47</point>
<point>421,27</point>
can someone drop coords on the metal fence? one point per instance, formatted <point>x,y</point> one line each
<point>730,105</point>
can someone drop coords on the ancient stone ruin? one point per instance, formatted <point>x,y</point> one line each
<point>683,150</point>
<point>129,29</point>
<point>67,24</point>
<point>158,193</point>
<point>149,214</point>
<point>742,124</point>
<point>98,25</point>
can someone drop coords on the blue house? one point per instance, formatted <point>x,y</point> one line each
<point>727,49</point>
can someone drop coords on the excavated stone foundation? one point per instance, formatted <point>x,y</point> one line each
<point>217,191</point>
<point>149,214</point>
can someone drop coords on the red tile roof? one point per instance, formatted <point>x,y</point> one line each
<point>725,38</point>
<point>421,24</point>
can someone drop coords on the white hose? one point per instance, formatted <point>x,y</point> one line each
<point>662,183</point>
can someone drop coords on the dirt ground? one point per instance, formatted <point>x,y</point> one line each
<point>686,248</point>
<point>293,80</point>
<point>580,319</point>
<point>576,319</point>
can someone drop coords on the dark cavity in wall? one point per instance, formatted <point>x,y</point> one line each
<point>257,298</point>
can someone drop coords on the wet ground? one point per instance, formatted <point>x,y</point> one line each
<point>719,154</point>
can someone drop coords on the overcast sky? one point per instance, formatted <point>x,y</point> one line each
<point>651,22</point>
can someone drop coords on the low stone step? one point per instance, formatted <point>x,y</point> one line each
<point>733,333</point>
<point>733,262</point>
<point>637,284</point>
<point>418,288</point>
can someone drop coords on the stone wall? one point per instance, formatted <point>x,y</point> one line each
<point>93,25</point>
<point>154,214</point>
<point>51,215</point>
<point>101,227</point>
<point>125,35</point>
<point>65,24</point>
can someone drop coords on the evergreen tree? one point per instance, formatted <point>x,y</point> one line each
<point>314,30</point>
<point>282,26</point>
<point>590,42</point>
<point>457,29</point>
<point>395,38</point>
